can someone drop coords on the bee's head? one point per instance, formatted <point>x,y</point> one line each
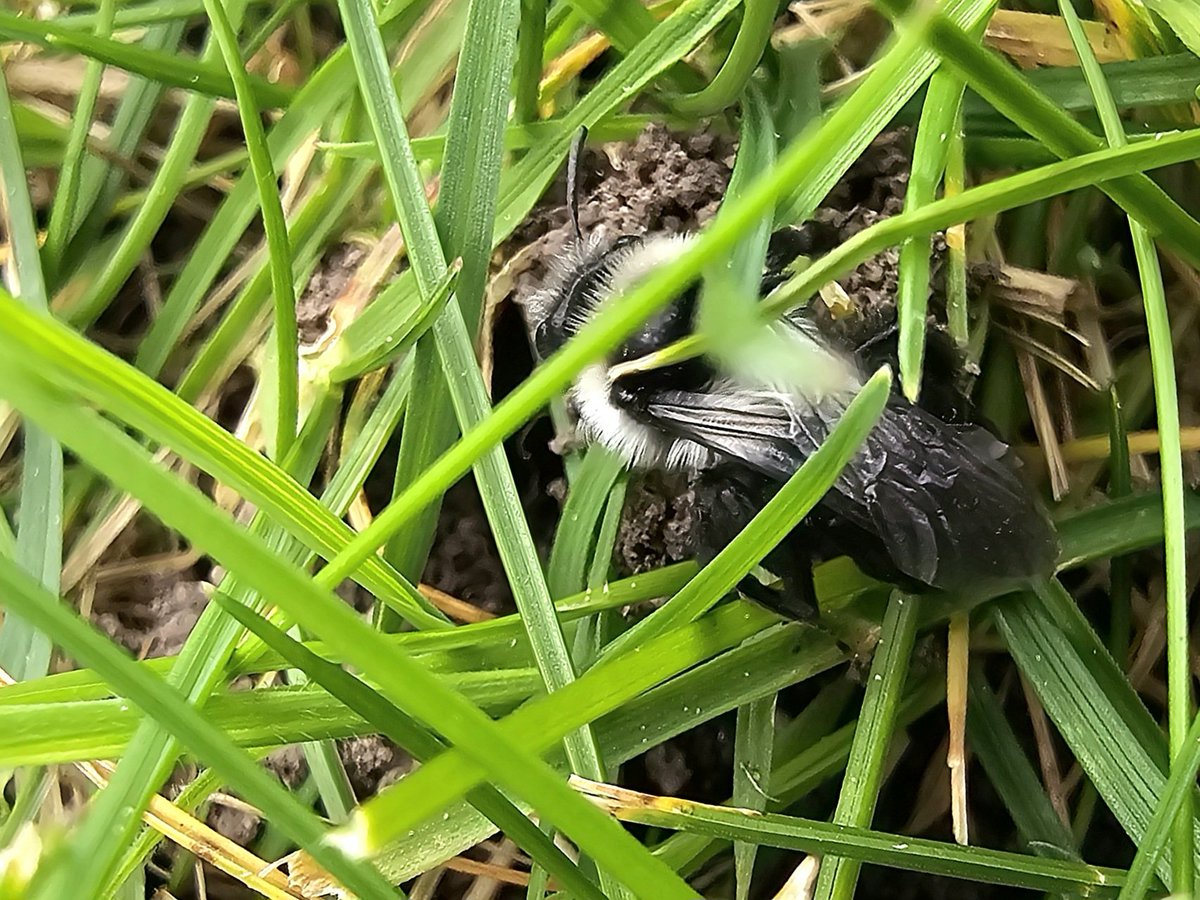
<point>591,273</point>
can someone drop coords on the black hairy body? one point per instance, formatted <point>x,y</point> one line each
<point>931,500</point>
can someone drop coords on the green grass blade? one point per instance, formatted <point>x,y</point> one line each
<point>727,315</point>
<point>190,130</point>
<point>164,704</point>
<point>575,536</point>
<point>278,246</point>
<point>63,210</point>
<point>1011,774</point>
<point>202,76</point>
<point>24,652</point>
<point>135,14</point>
<point>1013,95</point>
<point>100,180</point>
<point>321,95</point>
<point>531,36</point>
<point>162,416</point>
<point>939,117</point>
<point>894,850</point>
<point>758,18</point>
<point>470,177</point>
<point>753,747</point>
<point>1176,796</point>
<point>603,688</point>
<point>1166,400</point>
<point>876,723</point>
<point>775,521</point>
<point>1116,742</point>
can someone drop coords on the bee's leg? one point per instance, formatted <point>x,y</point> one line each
<point>725,503</point>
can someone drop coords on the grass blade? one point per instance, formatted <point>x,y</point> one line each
<point>63,211</point>
<point>278,247</point>
<point>899,851</point>
<point>24,652</point>
<point>166,706</point>
<point>876,723</point>
<point>1166,401</point>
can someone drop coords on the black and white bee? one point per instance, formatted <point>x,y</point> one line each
<point>931,500</point>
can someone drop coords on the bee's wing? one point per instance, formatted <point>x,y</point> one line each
<point>949,506</point>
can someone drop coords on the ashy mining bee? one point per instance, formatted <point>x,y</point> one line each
<point>931,500</point>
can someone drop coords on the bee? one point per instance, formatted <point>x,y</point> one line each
<point>931,500</point>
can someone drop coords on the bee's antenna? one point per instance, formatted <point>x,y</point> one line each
<point>573,180</point>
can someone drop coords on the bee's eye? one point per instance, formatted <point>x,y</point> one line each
<point>541,339</point>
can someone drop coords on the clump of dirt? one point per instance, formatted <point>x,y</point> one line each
<point>661,182</point>
<point>155,616</point>
<point>327,283</point>
<point>464,561</point>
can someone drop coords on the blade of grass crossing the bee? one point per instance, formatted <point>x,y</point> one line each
<point>872,737</point>
<point>992,78</point>
<point>190,129</point>
<point>24,651</point>
<point>63,209</point>
<point>160,701</point>
<point>1099,167</point>
<point>314,606</point>
<point>286,356</point>
<point>753,746</point>
<point>892,850</point>
<point>1011,774</point>
<point>1166,399</point>
<point>798,495</point>
<point>727,315</point>
<point>126,393</point>
<point>939,118</point>
<point>768,527</point>
<point>411,735</point>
